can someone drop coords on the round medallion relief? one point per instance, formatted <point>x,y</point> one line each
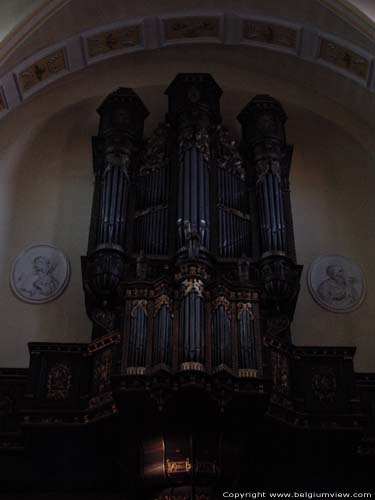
<point>39,274</point>
<point>336,283</point>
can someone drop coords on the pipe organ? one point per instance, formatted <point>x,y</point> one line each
<point>199,251</point>
<point>175,216</point>
<point>191,382</point>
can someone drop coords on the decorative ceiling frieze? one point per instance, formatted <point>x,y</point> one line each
<point>47,68</point>
<point>190,28</point>
<point>269,33</point>
<point>114,41</point>
<point>303,41</point>
<point>350,61</point>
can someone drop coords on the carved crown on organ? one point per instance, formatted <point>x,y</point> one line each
<point>191,251</point>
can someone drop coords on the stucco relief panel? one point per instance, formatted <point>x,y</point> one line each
<point>267,33</point>
<point>336,283</point>
<point>122,39</point>
<point>344,58</point>
<point>43,69</point>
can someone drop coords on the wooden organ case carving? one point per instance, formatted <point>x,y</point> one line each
<point>191,261</point>
<point>191,282</point>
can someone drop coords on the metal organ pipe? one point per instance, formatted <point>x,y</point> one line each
<point>151,234</point>
<point>122,116</point>
<point>263,121</point>
<point>120,132</point>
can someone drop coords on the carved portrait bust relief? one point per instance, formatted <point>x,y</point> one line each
<point>39,274</point>
<point>336,283</point>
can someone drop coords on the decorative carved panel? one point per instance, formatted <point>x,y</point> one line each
<point>44,69</point>
<point>183,28</point>
<point>267,33</point>
<point>344,58</point>
<point>115,40</point>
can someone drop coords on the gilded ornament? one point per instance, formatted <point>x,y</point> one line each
<point>224,302</point>
<point>193,285</point>
<point>162,300</point>
<point>135,370</point>
<point>139,304</point>
<point>247,373</point>
<point>244,308</point>
<point>178,466</point>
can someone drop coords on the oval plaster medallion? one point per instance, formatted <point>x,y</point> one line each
<point>39,274</point>
<point>336,283</point>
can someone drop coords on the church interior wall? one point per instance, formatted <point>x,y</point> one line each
<point>46,184</point>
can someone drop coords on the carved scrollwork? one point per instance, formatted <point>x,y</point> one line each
<point>154,152</point>
<point>192,270</point>
<point>59,382</point>
<point>142,304</point>
<point>162,300</point>
<point>198,137</point>
<point>324,386</point>
<point>223,301</point>
<point>229,157</point>
<point>193,285</point>
<point>244,307</point>
<point>104,318</point>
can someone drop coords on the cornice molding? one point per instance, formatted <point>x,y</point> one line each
<point>23,30</point>
<point>353,15</point>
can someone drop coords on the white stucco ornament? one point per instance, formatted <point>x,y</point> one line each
<point>39,274</point>
<point>336,283</point>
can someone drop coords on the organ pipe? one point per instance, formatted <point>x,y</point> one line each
<point>193,114</point>
<point>267,153</point>
<point>122,116</point>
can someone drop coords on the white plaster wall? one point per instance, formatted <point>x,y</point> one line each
<point>45,197</point>
<point>333,180</point>
<point>46,185</point>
